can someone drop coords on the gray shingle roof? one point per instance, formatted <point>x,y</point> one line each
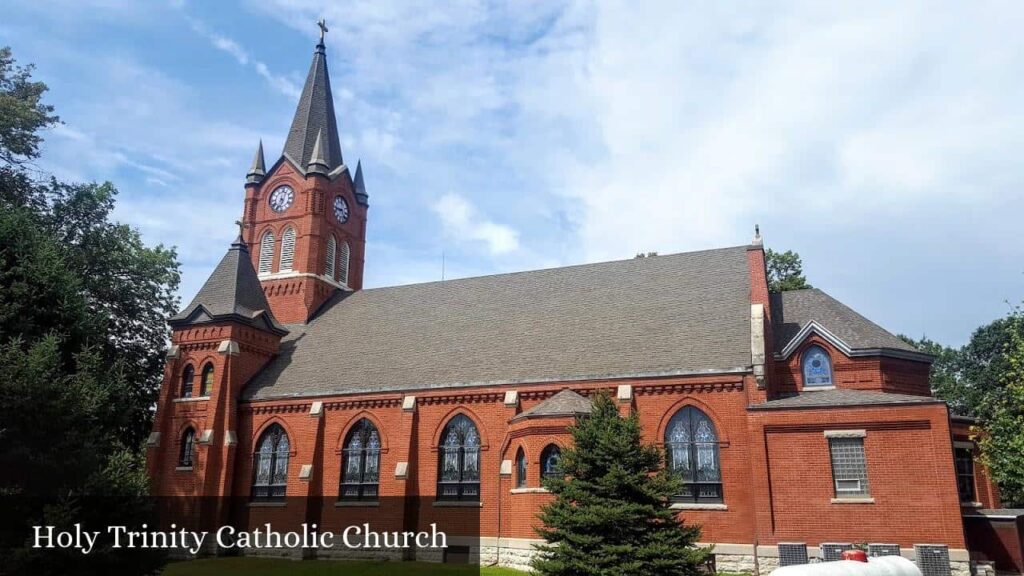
<point>840,397</point>
<point>682,313</point>
<point>792,311</point>
<point>232,292</point>
<point>315,113</point>
<point>564,403</point>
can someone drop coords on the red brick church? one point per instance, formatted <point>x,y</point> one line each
<point>799,426</point>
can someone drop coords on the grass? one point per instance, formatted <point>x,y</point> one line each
<point>277,567</point>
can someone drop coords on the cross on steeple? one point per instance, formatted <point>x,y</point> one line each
<point>323,29</point>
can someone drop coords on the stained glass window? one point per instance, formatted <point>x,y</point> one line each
<point>187,376</point>
<point>360,463</point>
<point>817,367</point>
<point>459,461</point>
<point>270,465</point>
<point>550,461</point>
<point>188,441</point>
<point>520,469</point>
<point>206,382</point>
<point>691,451</point>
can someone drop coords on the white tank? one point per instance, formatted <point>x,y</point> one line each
<point>879,566</point>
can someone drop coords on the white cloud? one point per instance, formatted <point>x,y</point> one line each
<point>280,83</point>
<point>464,223</point>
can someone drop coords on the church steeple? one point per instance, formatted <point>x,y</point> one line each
<point>315,115</point>
<point>304,219</point>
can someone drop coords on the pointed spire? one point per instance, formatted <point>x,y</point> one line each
<point>259,169</point>
<point>317,161</point>
<point>359,186</point>
<point>232,292</point>
<point>315,115</point>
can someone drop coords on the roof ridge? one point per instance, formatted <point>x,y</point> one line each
<point>568,266</point>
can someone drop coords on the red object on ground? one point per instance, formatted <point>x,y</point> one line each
<point>855,555</point>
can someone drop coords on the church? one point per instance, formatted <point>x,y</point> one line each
<point>799,427</point>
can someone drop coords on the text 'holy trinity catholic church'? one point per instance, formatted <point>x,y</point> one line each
<point>798,426</point>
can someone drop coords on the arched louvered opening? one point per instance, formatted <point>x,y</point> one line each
<point>187,448</point>
<point>343,263</point>
<point>270,465</point>
<point>330,256</point>
<point>691,451</point>
<point>206,381</point>
<point>287,250</point>
<point>360,467</point>
<point>266,252</point>
<point>187,376</point>
<point>459,465</point>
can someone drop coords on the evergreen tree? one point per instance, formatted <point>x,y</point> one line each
<point>611,514</point>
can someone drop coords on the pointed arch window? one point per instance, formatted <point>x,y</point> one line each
<point>187,376</point>
<point>330,256</point>
<point>266,252</point>
<point>206,381</point>
<point>520,469</point>
<point>187,449</point>
<point>360,465</point>
<point>287,250</point>
<point>459,461</point>
<point>551,461</point>
<point>691,451</point>
<point>270,465</point>
<point>343,263</point>
<point>817,367</point>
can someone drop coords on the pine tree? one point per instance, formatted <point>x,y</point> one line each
<point>611,514</point>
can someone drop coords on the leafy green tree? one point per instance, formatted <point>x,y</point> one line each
<point>1001,407</point>
<point>785,271</point>
<point>83,303</point>
<point>611,514</point>
<point>22,112</point>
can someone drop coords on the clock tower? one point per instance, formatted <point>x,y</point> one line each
<point>305,218</point>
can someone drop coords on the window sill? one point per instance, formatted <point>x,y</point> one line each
<point>529,491</point>
<point>854,500</point>
<point>816,388</point>
<point>697,506</point>
<point>192,399</point>
<point>457,504</point>
<point>971,505</point>
<point>183,469</point>
<point>267,504</point>
<point>356,504</point>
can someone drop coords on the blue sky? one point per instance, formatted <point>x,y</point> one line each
<point>880,140</point>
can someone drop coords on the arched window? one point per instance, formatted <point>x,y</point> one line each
<point>270,465</point>
<point>360,465</point>
<point>459,461</point>
<point>187,376</point>
<point>287,250</point>
<point>188,443</point>
<point>343,263</point>
<point>691,451</point>
<point>551,461</point>
<point>206,382</point>
<point>817,367</point>
<point>330,256</point>
<point>520,469</point>
<point>266,252</point>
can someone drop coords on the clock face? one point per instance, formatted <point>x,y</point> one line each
<point>281,198</point>
<point>340,209</point>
